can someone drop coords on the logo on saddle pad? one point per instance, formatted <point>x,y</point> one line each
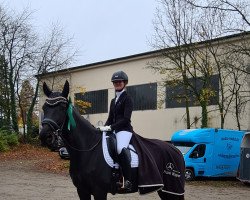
<point>170,166</point>
<point>170,170</point>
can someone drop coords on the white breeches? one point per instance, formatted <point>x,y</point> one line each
<point>123,138</point>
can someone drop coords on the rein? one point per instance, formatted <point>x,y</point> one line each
<point>82,150</point>
<point>57,130</point>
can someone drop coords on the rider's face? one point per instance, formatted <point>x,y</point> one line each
<point>119,85</point>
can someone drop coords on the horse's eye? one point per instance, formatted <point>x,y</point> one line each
<point>64,105</point>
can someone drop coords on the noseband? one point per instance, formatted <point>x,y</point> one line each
<point>51,123</point>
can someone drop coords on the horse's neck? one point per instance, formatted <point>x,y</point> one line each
<point>84,136</point>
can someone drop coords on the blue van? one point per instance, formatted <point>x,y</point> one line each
<point>209,152</point>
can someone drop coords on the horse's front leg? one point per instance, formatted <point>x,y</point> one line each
<point>83,194</point>
<point>100,196</point>
<point>99,193</point>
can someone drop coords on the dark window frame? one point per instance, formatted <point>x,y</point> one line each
<point>144,96</point>
<point>98,100</point>
<point>175,99</point>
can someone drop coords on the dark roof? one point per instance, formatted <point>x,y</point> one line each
<point>142,54</point>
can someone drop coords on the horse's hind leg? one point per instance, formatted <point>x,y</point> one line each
<point>168,196</point>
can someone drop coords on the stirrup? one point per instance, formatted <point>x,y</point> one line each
<point>127,185</point>
<point>124,186</point>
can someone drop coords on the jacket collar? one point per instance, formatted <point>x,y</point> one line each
<point>120,95</point>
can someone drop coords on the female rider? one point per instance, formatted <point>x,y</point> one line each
<point>119,122</point>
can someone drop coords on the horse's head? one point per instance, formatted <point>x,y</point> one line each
<point>54,108</point>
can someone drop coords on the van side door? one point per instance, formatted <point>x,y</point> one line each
<point>197,157</point>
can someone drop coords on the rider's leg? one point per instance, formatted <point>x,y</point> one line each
<point>123,139</point>
<point>125,160</point>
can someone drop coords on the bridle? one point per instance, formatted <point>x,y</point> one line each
<point>57,130</point>
<point>53,102</point>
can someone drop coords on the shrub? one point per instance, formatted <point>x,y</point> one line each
<point>3,144</point>
<point>7,139</point>
<point>12,139</point>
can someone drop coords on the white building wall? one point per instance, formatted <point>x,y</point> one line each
<point>160,123</point>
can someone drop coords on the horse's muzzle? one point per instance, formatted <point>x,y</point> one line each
<point>49,139</point>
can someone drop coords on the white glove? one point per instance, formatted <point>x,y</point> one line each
<point>104,128</point>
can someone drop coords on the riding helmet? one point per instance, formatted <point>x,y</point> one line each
<point>119,76</point>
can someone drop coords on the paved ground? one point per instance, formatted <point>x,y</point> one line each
<point>19,181</point>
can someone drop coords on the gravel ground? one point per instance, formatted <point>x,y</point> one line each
<point>19,180</point>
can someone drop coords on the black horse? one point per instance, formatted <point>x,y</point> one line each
<point>89,172</point>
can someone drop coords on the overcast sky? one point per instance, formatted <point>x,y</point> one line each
<point>102,29</point>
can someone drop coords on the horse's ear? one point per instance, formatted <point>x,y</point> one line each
<point>46,90</point>
<point>65,91</point>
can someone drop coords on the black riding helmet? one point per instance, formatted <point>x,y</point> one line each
<point>120,76</point>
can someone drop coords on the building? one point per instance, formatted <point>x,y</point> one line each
<point>155,114</point>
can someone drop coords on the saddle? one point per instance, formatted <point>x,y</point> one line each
<point>112,144</point>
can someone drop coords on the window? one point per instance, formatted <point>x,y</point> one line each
<point>98,100</point>
<point>144,96</point>
<point>175,94</point>
<point>199,151</point>
<point>184,147</point>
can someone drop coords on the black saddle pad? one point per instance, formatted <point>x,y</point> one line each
<point>161,166</point>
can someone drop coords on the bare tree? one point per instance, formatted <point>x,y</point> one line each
<point>15,44</point>
<point>27,54</point>
<point>235,8</point>
<point>54,52</point>
<point>179,18</point>
<point>177,25</point>
<point>198,54</point>
<point>235,19</point>
<point>238,92</point>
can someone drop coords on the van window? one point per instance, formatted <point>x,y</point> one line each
<point>184,147</point>
<point>200,149</point>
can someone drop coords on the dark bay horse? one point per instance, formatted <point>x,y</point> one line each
<point>89,172</point>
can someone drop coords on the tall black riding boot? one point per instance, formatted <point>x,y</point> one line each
<point>125,160</point>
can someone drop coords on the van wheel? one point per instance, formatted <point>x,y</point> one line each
<point>247,183</point>
<point>189,175</point>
